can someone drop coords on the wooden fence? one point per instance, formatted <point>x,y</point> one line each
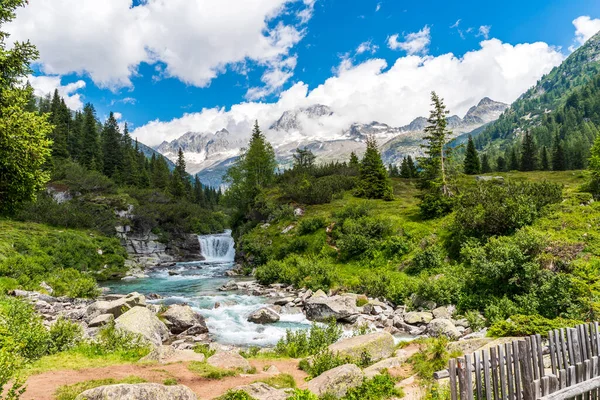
<point>517,370</point>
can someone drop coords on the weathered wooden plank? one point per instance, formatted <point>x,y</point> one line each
<point>552,348</point>
<point>477,357</point>
<point>540,355</point>
<point>579,372</point>
<point>597,338</point>
<point>510,370</point>
<point>563,345</point>
<point>574,391</point>
<point>576,345</point>
<point>553,380</point>
<point>494,362</point>
<point>588,342</point>
<point>560,363</point>
<point>533,355</point>
<point>452,373</point>
<point>562,378</point>
<point>526,369</point>
<point>582,343</point>
<point>469,376</point>
<point>486,374</point>
<point>572,376</point>
<point>517,365</point>
<point>537,388</point>
<point>545,384</point>
<point>460,370</point>
<point>501,366</point>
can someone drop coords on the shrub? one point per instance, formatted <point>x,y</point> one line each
<point>281,381</point>
<point>110,340</point>
<point>64,335</point>
<point>380,387</point>
<point>12,385</point>
<point>323,361</point>
<point>236,395</point>
<point>475,320</point>
<point>310,272</point>
<point>203,348</point>
<point>170,382</point>
<point>525,325</point>
<point>22,327</point>
<point>303,395</point>
<point>251,352</point>
<point>208,371</point>
<point>429,258</point>
<point>434,205</point>
<point>310,225</point>
<point>432,357</point>
<point>302,344</point>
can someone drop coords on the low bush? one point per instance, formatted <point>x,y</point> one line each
<point>207,371</point>
<point>525,325</point>
<point>236,395</point>
<point>70,392</point>
<point>380,387</point>
<point>281,381</point>
<point>305,394</point>
<point>21,328</point>
<point>302,344</point>
<point>170,382</point>
<point>310,272</point>
<point>203,348</point>
<point>64,335</point>
<point>251,352</point>
<point>321,362</point>
<point>433,356</point>
<point>310,225</point>
<point>110,341</point>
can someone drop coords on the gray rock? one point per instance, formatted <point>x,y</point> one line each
<point>320,308</point>
<point>283,301</point>
<point>264,316</point>
<point>337,381</point>
<point>387,363</point>
<point>139,391</point>
<point>115,307</point>
<point>443,327</point>
<point>183,318</point>
<point>262,391</point>
<point>443,312</point>
<point>101,320</point>
<point>142,321</point>
<point>169,354</point>
<point>229,360</point>
<point>378,345</point>
<point>414,317</point>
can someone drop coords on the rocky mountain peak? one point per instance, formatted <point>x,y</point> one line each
<point>289,120</point>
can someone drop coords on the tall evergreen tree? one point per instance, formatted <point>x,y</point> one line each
<point>199,196</point>
<point>485,164</point>
<point>373,181</point>
<point>111,147</point>
<point>545,160</point>
<point>90,143</point>
<point>179,178</point>
<point>60,117</point>
<point>354,162</point>
<point>472,165</point>
<point>501,164</point>
<point>304,159</point>
<point>406,170</point>
<point>558,156</point>
<point>160,172</point>
<point>528,153</point>
<point>594,168</point>
<point>414,173</point>
<point>514,164</point>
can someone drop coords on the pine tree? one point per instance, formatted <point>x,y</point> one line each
<point>436,136</point>
<point>60,118</point>
<point>373,181</point>
<point>199,196</point>
<point>472,165</point>
<point>406,170</point>
<point>594,168</point>
<point>528,153</point>
<point>500,164</point>
<point>112,156</point>
<point>513,161</point>
<point>354,162</point>
<point>304,159</point>
<point>90,143</point>
<point>160,172</point>
<point>412,167</point>
<point>179,178</point>
<point>558,156</point>
<point>545,161</point>
<point>485,164</point>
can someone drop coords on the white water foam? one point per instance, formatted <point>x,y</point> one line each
<point>217,248</point>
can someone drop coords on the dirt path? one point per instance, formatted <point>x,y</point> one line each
<point>43,386</point>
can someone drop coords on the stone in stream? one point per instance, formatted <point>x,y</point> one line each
<point>146,391</point>
<point>337,381</point>
<point>264,316</point>
<point>319,308</point>
<point>262,391</point>
<point>229,360</point>
<point>183,318</point>
<point>413,318</point>
<point>142,321</point>
<point>443,327</point>
<point>378,345</point>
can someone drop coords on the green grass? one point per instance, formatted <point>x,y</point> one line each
<point>70,392</point>
<point>207,371</point>
<point>170,382</point>
<point>281,381</point>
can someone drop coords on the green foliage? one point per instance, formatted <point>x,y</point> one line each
<point>373,182</point>
<point>433,356</point>
<point>64,335</point>
<point>472,165</point>
<point>594,168</point>
<point>12,384</point>
<point>494,208</point>
<point>323,361</point>
<point>203,348</point>
<point>208,371</point>
<point>475,320</point>
<point>236,395</point>
<point>303,344</point>
<point>170,382</point>
<point>70,392</point>
<point>281,381</point>
<point>251,352</point>
<point>305,394</point>
<point>525,325</point>
<point>310,272</point>
<point>310,225</point>
<point>114,341</point>
<point>430,257</point>
<point>528,153</point>
<point>380,387</point>
<point>21,329</point>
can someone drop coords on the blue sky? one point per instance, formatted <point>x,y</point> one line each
<point>170,65</point>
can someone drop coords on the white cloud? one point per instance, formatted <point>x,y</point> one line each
<point>367,47</point>
<point>278,73</point>
<point>455,25</point>
<point>193,41</point>
<point>371,91</point>
<point>44,85</point>
<point>378,7</point>
<point>414,43</point>
<point>118,115</point>
<point>484,30</point>
<point>585,28</point>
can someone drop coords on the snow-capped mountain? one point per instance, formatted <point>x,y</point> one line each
<point>314,127</point>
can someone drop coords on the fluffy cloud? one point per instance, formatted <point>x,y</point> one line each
<point>414,43</point>
<point>367,47</point>
<point>585,28</point>
<point>371,91</point>
<point>44,85</point>
<point>484,30</point>
<point>193,41</point>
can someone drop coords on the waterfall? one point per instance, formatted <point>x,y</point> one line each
<point>217,248</point>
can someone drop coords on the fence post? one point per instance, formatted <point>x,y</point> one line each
<point>526,370</point>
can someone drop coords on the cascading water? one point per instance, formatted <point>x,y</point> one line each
<point>217,248</point>
<point>197,283</point>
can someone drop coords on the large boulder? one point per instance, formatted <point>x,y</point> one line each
<point>320,308</point>
<point>182,318</point>
<point>115,307</point>
<point>142,321</point>
<point>443,327</point>
<point>414,317</point>
<point>378,345</point>
<point>262,391</point>
<point>382,365</point>
<point>138,391</point>
<point>169,354</point>
<point>229,360</point>
<point>337,381</point>
<point>100,320</point>
<point>264,316</point>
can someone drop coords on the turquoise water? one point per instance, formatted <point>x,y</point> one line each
<point>197,285</point>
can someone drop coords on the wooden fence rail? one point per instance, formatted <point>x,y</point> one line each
<point>526,369</point>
